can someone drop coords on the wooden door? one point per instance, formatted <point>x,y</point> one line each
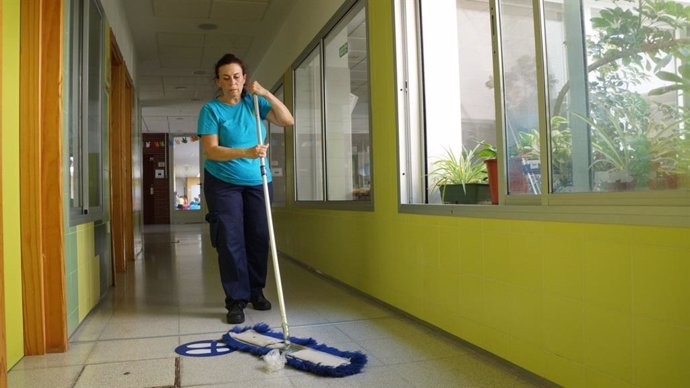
<point>156,179</point>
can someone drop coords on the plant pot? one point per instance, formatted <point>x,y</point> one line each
<point>492,170</point>
<point>472,193</point>
<point>618,186</point>
<point>665,182</point>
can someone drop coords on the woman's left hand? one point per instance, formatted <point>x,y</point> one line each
<point>255,87</point>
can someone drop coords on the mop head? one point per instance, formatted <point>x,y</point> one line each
<point>301,353</point>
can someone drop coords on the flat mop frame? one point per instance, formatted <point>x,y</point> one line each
<point>300,353</point>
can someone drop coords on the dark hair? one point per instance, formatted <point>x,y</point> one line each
<point>228,59</point>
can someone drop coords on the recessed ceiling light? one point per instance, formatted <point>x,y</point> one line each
<point>207,26</point>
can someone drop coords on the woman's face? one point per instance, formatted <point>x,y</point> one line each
<point>231,79</point>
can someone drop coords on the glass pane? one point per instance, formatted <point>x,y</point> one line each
<point>347,110</point>
<point>95,124</point>
<point>459,108</point>
<point>520,97</point>
<point>74,109</point>
<point>308,129</point>
<point>476,73</point>
<point>624,128</point>
<point>276,156</point>
<point>187,179</point>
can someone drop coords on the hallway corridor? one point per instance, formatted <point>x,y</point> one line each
<point>171,295</point>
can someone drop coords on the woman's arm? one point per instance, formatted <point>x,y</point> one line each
<point>219,153</point>
<point>279,114</point>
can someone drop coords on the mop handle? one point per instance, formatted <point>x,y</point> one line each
<point>269,218</point>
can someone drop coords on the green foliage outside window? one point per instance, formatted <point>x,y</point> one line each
<point>639,140</point>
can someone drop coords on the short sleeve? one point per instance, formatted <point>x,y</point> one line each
<point>208,123</point>
<point>264,107</point>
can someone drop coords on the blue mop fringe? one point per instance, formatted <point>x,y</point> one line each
<point>357,359</point>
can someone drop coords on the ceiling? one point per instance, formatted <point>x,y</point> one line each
<point>177,43</point>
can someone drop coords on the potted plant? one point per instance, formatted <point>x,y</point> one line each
<point>488,153</point>
<point>461,178</point>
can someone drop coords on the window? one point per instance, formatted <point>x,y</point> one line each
<point>308,129</point>
<point>85,111</point>
<point>618,73</point>
<point>276,156</point>
<point>347,109</point>
<point>332,130</point>
<point>590,93</point>
<point>446,102</point>
<point>520,97</point>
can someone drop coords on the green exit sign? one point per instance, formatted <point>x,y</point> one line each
<point>343,50</point>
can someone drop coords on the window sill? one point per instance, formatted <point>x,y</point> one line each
<point>671,216</point>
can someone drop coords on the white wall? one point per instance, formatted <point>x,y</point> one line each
<point>442,97</point>
<point>302,24</point>
<point>117,19</point>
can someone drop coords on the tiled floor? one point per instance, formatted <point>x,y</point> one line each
<point>172,296</point>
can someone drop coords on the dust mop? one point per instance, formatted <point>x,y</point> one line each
<point>276,349</point>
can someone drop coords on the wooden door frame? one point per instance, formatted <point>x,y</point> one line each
<point>120,160</point>
<point>127,156</point>
<point>40,149</point>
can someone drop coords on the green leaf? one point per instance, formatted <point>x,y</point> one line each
<point>684,71</point>
<point>662,62</point>
<point>665,89</point>
<point>668,76</point>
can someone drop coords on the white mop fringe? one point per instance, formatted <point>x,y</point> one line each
<point>275,360</point>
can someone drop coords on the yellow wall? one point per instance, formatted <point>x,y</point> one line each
<point>583,305</point>
<point>88,270</point>
<point>10,181</point>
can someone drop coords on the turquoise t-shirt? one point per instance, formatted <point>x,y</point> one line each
<point>235,126</point>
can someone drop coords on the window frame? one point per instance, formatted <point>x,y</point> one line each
<point>78,110</point>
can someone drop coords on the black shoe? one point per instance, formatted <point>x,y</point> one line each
<point>236,312</point>
<point>259,302</point>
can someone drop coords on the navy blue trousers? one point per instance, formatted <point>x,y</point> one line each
<point>239,232</point>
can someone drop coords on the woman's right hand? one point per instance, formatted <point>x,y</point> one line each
<point>258,151</point>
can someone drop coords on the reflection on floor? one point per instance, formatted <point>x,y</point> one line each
<point>172,296</point>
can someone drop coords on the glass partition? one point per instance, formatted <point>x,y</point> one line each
<point>520,97</point>
<point>347,109</point>
<point>308,129</point>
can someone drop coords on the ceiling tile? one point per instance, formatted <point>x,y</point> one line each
<point>241,42</point>
<point>182,124</point>
<point>213,53</point>
<point>182,9</point>
<point>247,10</point>
<point>177,85</point>
<point>180,57</point>
<point>152,84</point>
<point>178,39</point>
<point>155,124</point>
